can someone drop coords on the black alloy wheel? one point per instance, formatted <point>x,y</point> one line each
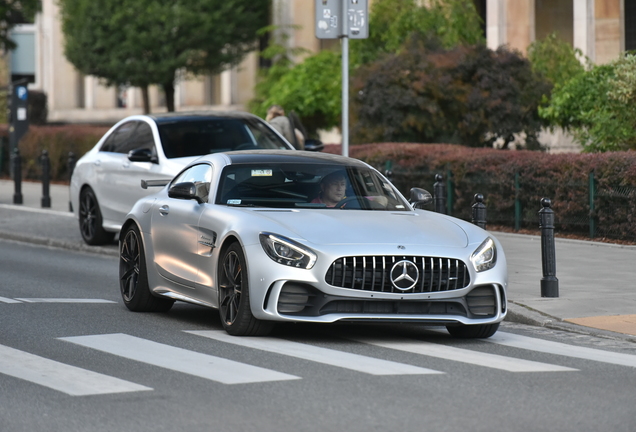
<point>234,303</point>
<point>133,278</point>
<point>90,220</point>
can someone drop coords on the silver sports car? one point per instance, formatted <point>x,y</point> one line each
<point>267,236</point>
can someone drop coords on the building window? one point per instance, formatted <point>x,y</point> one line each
<point>630,25</point>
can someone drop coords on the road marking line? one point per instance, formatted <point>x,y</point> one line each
<point>8,300</point>
<point>63,300</point>
<point>549,347</point>
<point>58,376</point>
<point>327,356</point>
<point>478,358</point>
<point>169,357</point>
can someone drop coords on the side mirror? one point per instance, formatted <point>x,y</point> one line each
<point>141,155</point>
<point>420,197</point>
<point>314,145</point>
<point>186,190</point>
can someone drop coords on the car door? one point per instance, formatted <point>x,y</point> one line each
<point>127,177</point>
<point>175,232</point>
<point>108,187</point>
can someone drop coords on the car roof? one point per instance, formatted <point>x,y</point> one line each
<point>295,157</point>
<point>196,115</point>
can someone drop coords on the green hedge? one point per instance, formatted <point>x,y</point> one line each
<point>58,141</point>
<point>592,194</point>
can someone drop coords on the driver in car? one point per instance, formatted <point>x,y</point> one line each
<point>332,189</point>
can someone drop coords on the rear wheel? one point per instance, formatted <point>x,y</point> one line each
<point>480,331</point>
<point>133,277</point>
<point>234,296</point>
<point>90,220</point>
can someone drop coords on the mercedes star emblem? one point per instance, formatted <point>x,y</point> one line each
<point>404,275</point>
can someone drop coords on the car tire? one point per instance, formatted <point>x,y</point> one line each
<point>234,296</point>
<point>90,220</point>
<point>133,276</point>
<point>479,331</point>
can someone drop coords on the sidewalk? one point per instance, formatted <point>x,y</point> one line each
<point>596,280</point>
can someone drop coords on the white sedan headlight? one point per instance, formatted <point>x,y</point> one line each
<point>287,252</point>
<point>485,256</point>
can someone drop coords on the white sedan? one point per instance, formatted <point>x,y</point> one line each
<point>105,181</point>
<point>267,236</point>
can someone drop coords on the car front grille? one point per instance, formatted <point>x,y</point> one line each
<point>373,273</point>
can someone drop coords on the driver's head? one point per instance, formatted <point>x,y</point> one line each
<point>332,188</point>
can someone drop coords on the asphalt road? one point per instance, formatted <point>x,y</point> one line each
<point>73,358</point>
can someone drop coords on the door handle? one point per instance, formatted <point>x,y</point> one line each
<point>164,210</point>
<point>126,165</point>
<point>97,163</point>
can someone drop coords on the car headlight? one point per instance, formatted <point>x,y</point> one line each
<point>485,256</point>
<point>287,252</point>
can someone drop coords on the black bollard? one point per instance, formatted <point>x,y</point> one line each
<point>45,161</point>
<point>439,193</point>
<point>71,167</point>
<point>479,211</point>
<point>549,282</point>
<point>16,161</point>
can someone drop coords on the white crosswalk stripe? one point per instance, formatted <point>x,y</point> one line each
<point>63,300</point>
<point>178,359</point>
<point>478,358</point>
<point>8,300</point>
<point>550,347</point>
<point>359,363</point>
<point>58,376</point>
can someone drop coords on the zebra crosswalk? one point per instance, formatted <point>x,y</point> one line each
<point>76,381</point>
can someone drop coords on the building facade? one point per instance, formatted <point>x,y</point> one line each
<point>601,29</point>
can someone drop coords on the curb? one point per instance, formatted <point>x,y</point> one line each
<point>73,246</point>
<point>522,314</point>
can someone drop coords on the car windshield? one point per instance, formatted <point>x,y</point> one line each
<point>320,186</point>
<point>196,137</point>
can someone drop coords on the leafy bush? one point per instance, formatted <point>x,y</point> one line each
<point>58,141</point>
<point>556,60</point>
<point>564,178</point>
<point>597,106</point>
<point>468,95</point>
<point>392,22</point>
<point>312,89</point>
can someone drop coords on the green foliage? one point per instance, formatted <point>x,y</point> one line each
<point>11,12</point>
<point>392,22</point>
<point>564,178</point>
<point>144,42</point>
<point>311,89</point>
<point>597,106</point>
<point>468,95</point>
<point>556,59</point>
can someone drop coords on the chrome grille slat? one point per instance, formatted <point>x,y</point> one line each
<point>372,273</point>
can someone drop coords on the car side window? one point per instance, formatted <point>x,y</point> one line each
<point>201,176</point>
<point>141,138</point>
<point>118,140</point>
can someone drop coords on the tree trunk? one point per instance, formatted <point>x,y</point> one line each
<point>146,98</point>
<point>168,89</point>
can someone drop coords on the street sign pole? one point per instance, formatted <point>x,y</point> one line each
<point>18,115</point>
<point>345,80</point>
<point>344,19</point>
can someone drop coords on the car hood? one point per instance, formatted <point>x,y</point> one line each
<point>334,227</point>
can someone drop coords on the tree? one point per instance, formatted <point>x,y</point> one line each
<point>557,60</point>
<point>144,42</point>
<point>313,89</point>
<point>13,12</point>
<point>598,106</point>
<point>392,22</point>
<point>468,95</point>
<point>308,89</point>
